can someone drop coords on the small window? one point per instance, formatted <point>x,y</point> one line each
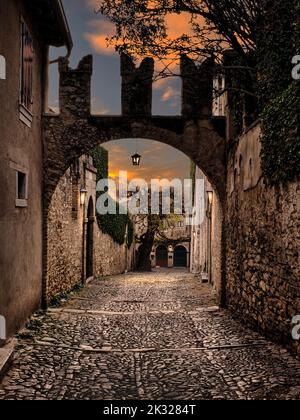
<point>2,68</point>
<point>26,93</point>
<point>21,190</point>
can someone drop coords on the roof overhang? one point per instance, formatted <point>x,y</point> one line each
<point>52,21</point>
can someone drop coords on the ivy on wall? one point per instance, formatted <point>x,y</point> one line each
<point>114,225</point>
<point>100,158</point>
<point>278,42</point>
<point>275,50</point>
<point>281,137</point>
<point>130,236</point>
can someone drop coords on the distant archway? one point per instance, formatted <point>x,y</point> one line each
<point>90,240</point>
<point>161,256</point>
<point>180,257</point>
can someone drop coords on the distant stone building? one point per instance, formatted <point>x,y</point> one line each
<point>206,232</point>
<point>172,247</point>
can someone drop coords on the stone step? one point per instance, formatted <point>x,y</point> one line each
<point>6,355</point>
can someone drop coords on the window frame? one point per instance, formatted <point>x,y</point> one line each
<point>26,109</point>
<point>21,202</point>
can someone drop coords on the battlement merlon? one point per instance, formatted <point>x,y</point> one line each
<point>197,87</point>
<point>75,87</point>
<point>136,86</point>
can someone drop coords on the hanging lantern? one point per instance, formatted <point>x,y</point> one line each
<point>136,159</point>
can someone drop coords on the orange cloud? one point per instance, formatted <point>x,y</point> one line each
<point>100,30</point>
<point>178,25</point>
<point>169,93</point>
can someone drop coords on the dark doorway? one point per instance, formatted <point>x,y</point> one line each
<point>161,256</point>
<point>90,240</point>
<point>180,257</point>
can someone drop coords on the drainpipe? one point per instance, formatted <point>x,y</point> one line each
<point>84,234</point>
<point>209,233</point>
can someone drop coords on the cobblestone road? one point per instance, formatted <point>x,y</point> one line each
<point>150,336</point>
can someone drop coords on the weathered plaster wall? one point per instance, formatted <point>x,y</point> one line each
<point>20,147</point>
<point>205,243</point>
<point>216,245</point>
<point>263,244</point>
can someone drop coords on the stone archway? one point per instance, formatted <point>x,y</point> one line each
<point>180,256</point>
<point>75,131</point>
<point>161,254</point>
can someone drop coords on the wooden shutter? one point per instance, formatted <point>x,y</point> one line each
<point>26,68</point>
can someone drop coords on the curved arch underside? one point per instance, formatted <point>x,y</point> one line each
<point>200,140</point>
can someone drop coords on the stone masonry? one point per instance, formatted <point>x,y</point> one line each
<point>67,235</point>
<point>151,336</point>
<point>263,244</point>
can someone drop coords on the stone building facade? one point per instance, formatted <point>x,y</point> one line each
<point>77,248</point>
<point>27,30</point>
<point>174,250</point>
<point>206,237</point>
<point>172,244</point>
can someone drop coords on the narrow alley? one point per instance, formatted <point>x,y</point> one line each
<point>146,336</point>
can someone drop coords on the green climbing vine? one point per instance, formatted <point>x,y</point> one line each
<point>115,225</point>
<point>279,94</point>
<point>130,236</point>
<point>281,137</point>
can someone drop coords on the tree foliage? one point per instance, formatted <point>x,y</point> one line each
<point>264,35</point>
<point>279,41</point>
<point>142,27</point>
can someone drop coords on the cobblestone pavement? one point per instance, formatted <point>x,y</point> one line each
<point>147,336</point>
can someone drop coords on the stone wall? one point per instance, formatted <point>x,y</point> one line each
<point>110,258</point>
<point>65,239</point>
<point>263,243</point>
<point>67,234</point>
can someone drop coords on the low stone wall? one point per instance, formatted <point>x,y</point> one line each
<point>263,243</point>
<point>109,257</point>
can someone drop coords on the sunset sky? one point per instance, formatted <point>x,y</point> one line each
<point>89,32</point>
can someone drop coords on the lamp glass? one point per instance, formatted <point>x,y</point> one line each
<point>136,159</point>
<point>83,193</point>
<point>210,195</point>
